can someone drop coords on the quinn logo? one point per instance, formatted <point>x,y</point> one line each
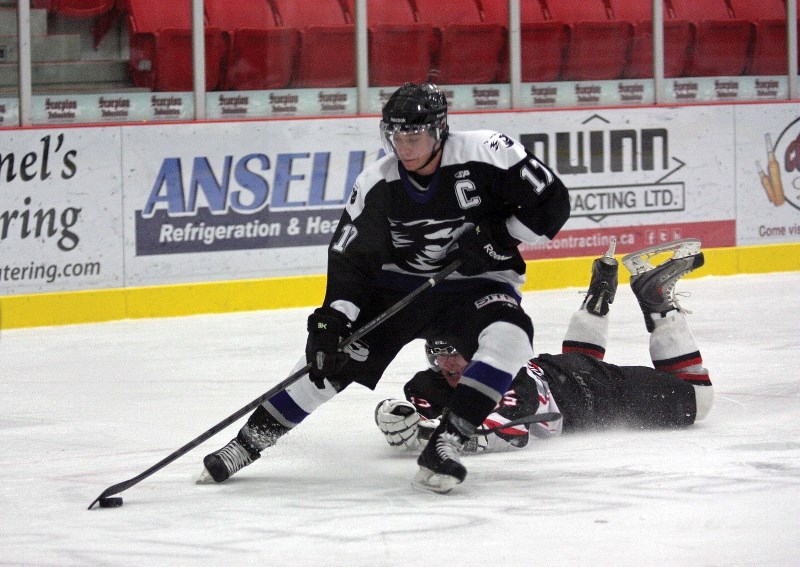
<point>781,176</point>
<point>636,162</point>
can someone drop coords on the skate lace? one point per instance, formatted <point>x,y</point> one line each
<point>234,456</point>
<point>448,446</point>
<point>673,299</point>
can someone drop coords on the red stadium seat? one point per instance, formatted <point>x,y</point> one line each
<point>82,8</point>
<point>543,41</point>
<point>400,48</point>
<point>260,54</point>
<point>678,39</point>
<point>326,57</point>
<point>469,50</point>
<point>722,42</point>
<point>769,55</point>
<point>598,44</point>
<point>161,46</point>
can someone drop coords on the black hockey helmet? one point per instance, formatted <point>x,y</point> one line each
<point>438,347</point>
<point>414,108</point>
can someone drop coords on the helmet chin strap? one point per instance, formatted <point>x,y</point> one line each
<point>434,153</point>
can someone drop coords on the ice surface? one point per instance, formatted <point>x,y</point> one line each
<point>84,407</point>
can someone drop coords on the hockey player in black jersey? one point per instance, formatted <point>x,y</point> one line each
<point>588,392</point>
<point>436,197</point>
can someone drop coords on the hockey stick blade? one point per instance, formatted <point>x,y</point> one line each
<point>366,328</point>
<point>527,420</point>
<point>125,485</point>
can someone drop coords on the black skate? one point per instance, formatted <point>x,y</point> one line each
<point>440,468</point>
<point>261,431</point>
<point>654,286</point>
<point>603,286</point>
<point>220,465</point>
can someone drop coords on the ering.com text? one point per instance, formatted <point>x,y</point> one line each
<point>48,272</point>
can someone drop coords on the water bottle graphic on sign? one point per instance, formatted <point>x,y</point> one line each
<point>771,178</point>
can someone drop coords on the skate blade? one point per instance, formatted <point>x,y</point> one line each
<point>431,482</point>
<point>639,262</point>
<point>612,247</point>
<point>205,478</point>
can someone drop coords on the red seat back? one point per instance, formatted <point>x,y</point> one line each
<point>82,8</point>
<point>678,39</point>
<point>326,56</point>
<point>229,16</point>
<point>260,54</point>
<point>387,12</point>
<point>768,17</point>
<point>543,41</point>
<point>400,48</point>
<point>497,12</point>
<point>468,50</point>
<point>160,37</point>
<point>598,44</point>
<point>722,42</point>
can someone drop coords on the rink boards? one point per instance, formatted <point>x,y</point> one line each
<point>121,221</point>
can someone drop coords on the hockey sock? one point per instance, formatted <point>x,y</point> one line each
<point>292,405</point>
<point>586,333</point>
<point>674,350</point>
<point>261,431</point>
<point>503,349</point>
<point>480,390</point>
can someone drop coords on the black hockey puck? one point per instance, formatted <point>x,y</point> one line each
<point>110,502</point>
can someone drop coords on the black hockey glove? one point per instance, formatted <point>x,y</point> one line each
<point>326,328</point>
<point>483,247</point>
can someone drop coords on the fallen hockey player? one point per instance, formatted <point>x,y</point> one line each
<point>578,384</point>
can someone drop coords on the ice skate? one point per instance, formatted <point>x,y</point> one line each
<point>261,431</point>
<point>654,286</point>
<point>639,262</point>
<point>440,468</point>
<point>220,465</point>
<point>603,285</point>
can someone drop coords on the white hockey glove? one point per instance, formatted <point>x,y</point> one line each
<point>398,420</point>
<point>425,430</point>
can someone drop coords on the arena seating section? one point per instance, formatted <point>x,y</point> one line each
<point>545,39</point>
<point>768,51</point>
<point>274,44</point>
<point>678,38</point>
<point>259,53</point>
<point>400,47</point>
<point>722,41</point>
<point>161,46</point>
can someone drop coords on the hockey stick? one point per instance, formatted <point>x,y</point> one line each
<point>366,328</point>
<point>527,420</point>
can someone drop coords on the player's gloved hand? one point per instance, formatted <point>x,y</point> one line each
<point>516,435</point>
<point>326,328</point>
<point>482,247</point>
<point>398,420</point>
<point>425,430</point>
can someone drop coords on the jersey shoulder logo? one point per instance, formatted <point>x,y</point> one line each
<point>498,140</point>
